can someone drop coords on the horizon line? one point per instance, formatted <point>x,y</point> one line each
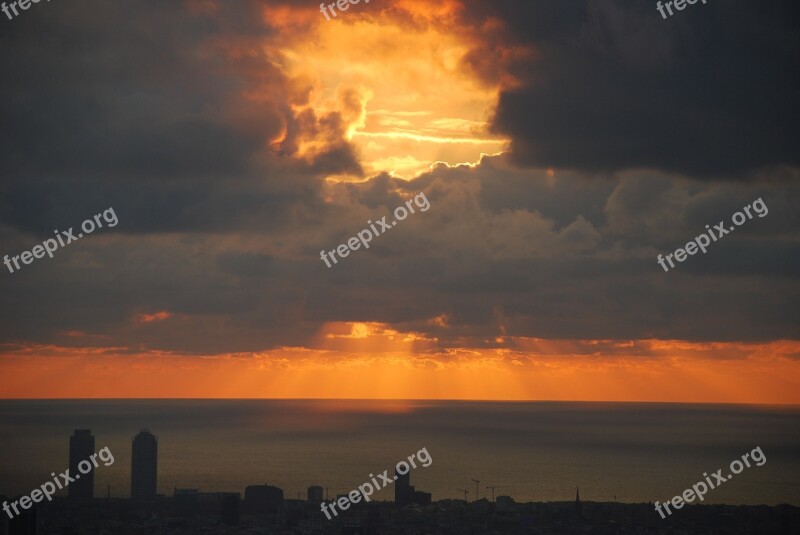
<point>462,400</point>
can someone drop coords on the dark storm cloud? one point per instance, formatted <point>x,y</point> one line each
<point>166,113</point>
<point>221,222</point>
<point>492,266</point>
<point>521,253</point>
<point>711,91</point>
<point>109,88</point>
<point>152,110</point>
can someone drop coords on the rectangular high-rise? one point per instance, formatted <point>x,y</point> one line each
<point>144,466</point>
<point>314,494</point>
<point>81,448</point>
<point>403,491</point>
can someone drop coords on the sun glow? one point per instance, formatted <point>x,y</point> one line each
<point>372,361</point>
<point>418,104</point>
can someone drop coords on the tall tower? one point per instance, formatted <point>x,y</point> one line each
<point>81,448</point>
<point>403,491</point>
<point>144,466</point>
<point>314,494</point>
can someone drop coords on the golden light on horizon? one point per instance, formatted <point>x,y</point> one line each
<point>646,370</point>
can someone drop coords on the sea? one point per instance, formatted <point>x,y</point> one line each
<point>530,451</point>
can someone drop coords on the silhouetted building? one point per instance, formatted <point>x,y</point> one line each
<point>81,448</point>
<point>144,466</point>
<point>187,501</point>
<point>504,504</point>
<point>444,517</point>
<point>26,523</point>
<point>315,494</point>
<point>422,498</point>
<point>262,499</point>
<point>229,509</point>
<point>358,530</point>
<point>403,491</point>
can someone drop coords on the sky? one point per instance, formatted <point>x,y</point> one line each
<point>562,147</point>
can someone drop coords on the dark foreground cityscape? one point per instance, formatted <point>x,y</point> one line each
<point>264,510</point>
<point>189,512</point>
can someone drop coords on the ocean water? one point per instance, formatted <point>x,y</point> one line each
<point>533,451</point>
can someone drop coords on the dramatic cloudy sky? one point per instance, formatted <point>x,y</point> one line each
<point>562,146</point>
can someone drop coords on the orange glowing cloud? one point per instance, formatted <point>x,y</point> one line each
<point>149,318</point>
<point>408,63</point>
<point>428,11</point>
<point>362,337</point>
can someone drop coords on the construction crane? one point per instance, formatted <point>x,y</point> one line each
<point>465,493</point>
<point>477,482</point>
<point>497,487</point>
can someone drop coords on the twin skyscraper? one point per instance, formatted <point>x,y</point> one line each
<point>144,465</point>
